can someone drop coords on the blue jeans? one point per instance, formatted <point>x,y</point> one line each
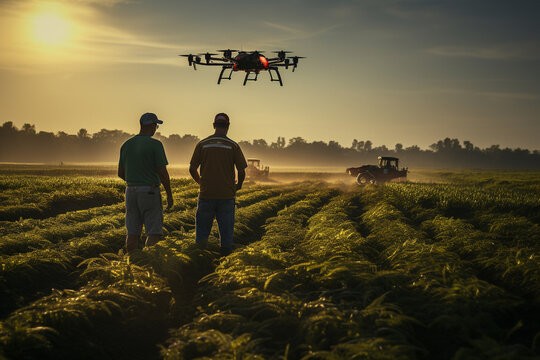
<point>223,211</point>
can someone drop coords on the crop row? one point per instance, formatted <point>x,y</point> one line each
<point>33,234</point>
<point>42,197</point>
<point>501,246</point>
<point>296,293</point>
<point>121,303</point>
<point>66,227</point>
<point>26,276</point>
<point>357,279</point>
<point>442,288</point>
<point>462,201</point>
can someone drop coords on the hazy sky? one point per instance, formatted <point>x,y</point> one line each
<point>388,71</point>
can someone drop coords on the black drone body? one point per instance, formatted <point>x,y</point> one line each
<point>252,62</point>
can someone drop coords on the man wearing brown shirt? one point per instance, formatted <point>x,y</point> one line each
<point>217,156</point>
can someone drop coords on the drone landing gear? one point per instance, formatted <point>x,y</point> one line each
<point>221,77</point>
<point>278,75</point>
<point>247,78</point>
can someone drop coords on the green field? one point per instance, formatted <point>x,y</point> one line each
<point>443,268</point>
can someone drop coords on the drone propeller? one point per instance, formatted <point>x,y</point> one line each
<point>207,56</point>
<point>282,53</point>
<point>190,58</point>
<point>295,61</point>
<point>227,53</point>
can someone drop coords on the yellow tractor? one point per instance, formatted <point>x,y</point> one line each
<point>255,170</point>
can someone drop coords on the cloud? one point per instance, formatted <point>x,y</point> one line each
<point>502,95</point>
<point>290,33</point>
<point>96,2</point>
<point>524,51</point>
<point>92,42</point>
<point>427,12</point>
<point>284,28</point>
<point>509,95</point>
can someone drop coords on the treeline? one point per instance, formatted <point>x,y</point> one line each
<point>28,145</point>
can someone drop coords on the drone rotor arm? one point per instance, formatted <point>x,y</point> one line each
<point>215,64</point>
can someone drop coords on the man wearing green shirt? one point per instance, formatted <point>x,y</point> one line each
<point>143,165</point>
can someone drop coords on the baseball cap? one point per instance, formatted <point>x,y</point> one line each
<point>221,118</point>
<point>150,118</point>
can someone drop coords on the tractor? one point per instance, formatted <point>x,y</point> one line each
<point>388,169</point>
<point>255,170</point>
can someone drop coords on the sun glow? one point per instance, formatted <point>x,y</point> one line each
<point>51,28</point>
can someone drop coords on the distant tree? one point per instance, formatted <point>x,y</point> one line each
<point>413,148</point>
<point>260,143</point>
<point>455,144</point>
<point>25,145</point>
<point>493,149</point>
<point>62,135</point>
<point>521,151</point>
<point>45,135</point>
<point>446,145</point>
<point>334,145</point>
<point>83,134</point>
<point>8,126</point>
<point>295,141</point>
<point>29,129</point>
<point>111,136</point>
<point>190,139</point>
<point>279,144</point>
<point>160,137</point>
<point>368,145</point>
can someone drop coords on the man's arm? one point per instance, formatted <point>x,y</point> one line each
<point>166,181</point>
<point>194,173</point>
<point>241,178</point>
<point>241,165</point>
<point>121,172</point>
<point>121,167</point>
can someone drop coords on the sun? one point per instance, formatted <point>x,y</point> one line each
<point>51,28</point>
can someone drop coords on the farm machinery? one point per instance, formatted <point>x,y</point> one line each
<point>386,170</point>
<point>255,170</point>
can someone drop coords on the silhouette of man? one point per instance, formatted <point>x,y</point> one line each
<point>217,156</point>
<point>143,165</point>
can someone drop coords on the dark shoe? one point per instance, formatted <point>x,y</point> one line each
<point>225,251</point>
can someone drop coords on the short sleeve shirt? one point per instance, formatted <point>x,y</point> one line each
<point>218,156</point>
<point>140,157</point>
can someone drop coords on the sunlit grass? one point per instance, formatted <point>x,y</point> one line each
<point>397,271</point>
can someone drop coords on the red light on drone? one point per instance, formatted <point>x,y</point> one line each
<point>264,61</point>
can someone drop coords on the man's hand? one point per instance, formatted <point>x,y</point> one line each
<point>166,181</point>
<point>195,173</point>
<point>241,178</point>
<point>121,172</point>
<point>170,202</point>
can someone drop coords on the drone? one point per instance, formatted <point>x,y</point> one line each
<point>252,62</point>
